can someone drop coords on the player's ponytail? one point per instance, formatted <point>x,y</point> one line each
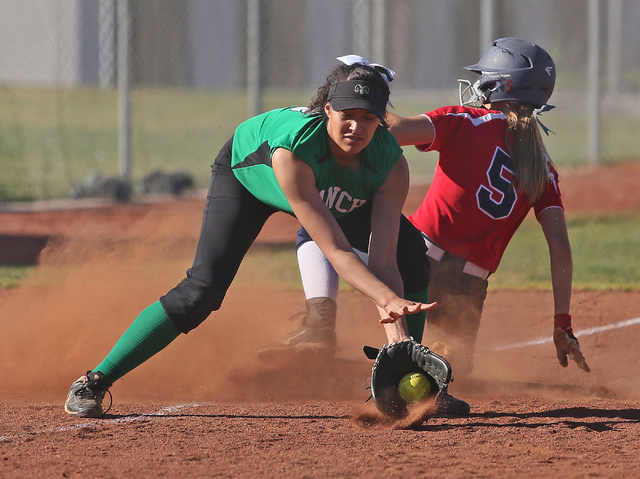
<point>527,149</point>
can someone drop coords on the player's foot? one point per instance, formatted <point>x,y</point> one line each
<point>86,394</point>
<point>452,406</point>
<point>316,334</point>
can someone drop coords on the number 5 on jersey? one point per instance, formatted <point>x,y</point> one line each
<point>498,200</point>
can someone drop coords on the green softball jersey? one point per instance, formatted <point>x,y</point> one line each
<point>306,136</point>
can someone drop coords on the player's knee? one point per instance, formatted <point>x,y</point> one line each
<point>188,307</point>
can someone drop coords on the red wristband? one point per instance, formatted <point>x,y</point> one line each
<point>562,320</point>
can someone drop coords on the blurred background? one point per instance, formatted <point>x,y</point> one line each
<point>109,93</point>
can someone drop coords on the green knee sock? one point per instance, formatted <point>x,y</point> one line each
<point>148,334</point>
<point>415,322</point>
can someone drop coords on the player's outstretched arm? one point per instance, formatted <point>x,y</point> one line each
<point>298,184</point>
<point>385,225</point>
<point>411,130</point>
<point>554,226</point>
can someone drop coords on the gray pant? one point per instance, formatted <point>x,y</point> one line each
<point>456,320</point>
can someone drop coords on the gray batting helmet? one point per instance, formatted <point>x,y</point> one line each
<point>512,69</point>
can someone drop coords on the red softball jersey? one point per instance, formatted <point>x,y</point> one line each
<point>471,209</point>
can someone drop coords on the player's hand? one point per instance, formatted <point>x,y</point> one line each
<point>567,346</point>
<point>401,307</point>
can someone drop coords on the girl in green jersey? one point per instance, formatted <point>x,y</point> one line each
<point>319,164</point>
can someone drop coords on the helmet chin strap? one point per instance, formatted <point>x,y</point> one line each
<point>539,111</point>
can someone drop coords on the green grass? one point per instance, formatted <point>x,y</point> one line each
<point>52,138</point>
<point>606,254</point>
<point>273,264</point>
<point>12,276</point>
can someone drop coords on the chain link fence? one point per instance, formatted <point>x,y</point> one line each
<point>197,68</point>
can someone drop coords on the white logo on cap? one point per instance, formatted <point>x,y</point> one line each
<point>361,89</point>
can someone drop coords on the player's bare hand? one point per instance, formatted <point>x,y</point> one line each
<point>567,347</point>
<point>403,307</point>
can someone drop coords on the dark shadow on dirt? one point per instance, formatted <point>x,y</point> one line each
<point>139,417</point>
<point>493,387</point>
<point>618,416</point>
<point>571,412</point>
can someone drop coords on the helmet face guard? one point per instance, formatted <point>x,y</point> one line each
<point>511,69</point>
<point>474,94</point>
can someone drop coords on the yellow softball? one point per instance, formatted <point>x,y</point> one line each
<point>413,387</point>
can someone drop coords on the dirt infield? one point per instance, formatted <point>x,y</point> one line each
<point>205,407</point>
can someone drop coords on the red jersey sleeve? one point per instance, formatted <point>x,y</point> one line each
<point>441,128</point>
<point>551,196</point>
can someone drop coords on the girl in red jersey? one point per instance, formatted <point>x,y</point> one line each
<point>492,169</point>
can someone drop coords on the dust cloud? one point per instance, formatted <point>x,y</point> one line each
<point>94,280</point>
<point>101,270</point>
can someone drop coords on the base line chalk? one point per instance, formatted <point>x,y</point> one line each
<point>161,413</point>
<point>581,333</point>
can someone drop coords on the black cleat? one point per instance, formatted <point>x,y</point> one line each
<point>452,406</point>
<point>86,394</point>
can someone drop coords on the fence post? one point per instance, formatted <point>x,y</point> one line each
<point>254,84</point>
<point>593,79</point>
<point>361,19</point>
<point>614,48</point>
<point>107,42</point>
<point>124,101</point>
<point>379,27</point>
<point>486,24</point>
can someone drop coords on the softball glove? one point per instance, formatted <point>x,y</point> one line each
<point>395,361</point>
